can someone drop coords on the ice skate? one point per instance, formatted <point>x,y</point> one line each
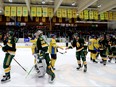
<point>109,60</point>
<point>90,59</point>
<point>85,68</point>
<point>104,63</point>
<point>95,61</point>
<point>51,78</point>
<point>101,61</point>
<point>79,66</point>
<point>5,79</point>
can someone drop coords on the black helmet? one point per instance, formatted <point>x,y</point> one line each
<point>75,35</point>
<point>11,33</point>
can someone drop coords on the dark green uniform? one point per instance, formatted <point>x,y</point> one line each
<point>10,49</point>
<point>42,47</point>
<point>103,49</point>
<point>112,49</point>
<point>80,52</point>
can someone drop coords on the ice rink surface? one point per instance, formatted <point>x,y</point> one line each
<point>66,73</point>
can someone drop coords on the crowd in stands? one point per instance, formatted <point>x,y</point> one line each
<point>60,31</point>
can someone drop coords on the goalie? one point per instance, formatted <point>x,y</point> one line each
<point>42,59</point>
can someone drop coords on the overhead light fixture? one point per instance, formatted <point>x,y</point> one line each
<point>10,0</point>
<point>73,3</point>
<point>43,2</point>
<point>77,14</point>
<point>99,6</point>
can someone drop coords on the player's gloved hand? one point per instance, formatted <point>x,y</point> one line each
<point>40,52</point>
<point>70,47</point>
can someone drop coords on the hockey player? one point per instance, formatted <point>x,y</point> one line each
<point>112,48</point>
<point>10,49</point>
<point>33,48</point>
<point>53,50</point>
<point>39,61</point>
<point>93,47</point>
<point>80,51</point>
<point>103,43</point>
<point>42,49</point>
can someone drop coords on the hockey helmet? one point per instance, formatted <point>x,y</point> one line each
<point>75,35</point>
<point>93,36</point>
<point>39,32</point>
<point>52,35</point>
<point>11,33</point>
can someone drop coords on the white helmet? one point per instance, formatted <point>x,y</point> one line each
<point>39,32</point>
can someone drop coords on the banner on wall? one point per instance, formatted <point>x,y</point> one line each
<point>7,18</point>
<point>90,15</point>
<point>86,14</point>
<point>43,19</point>
<point>0,18</point>
<point>102,16</point>
<point>37,19</point>
<point>110,16</point>
<point>60,20</point>
<point>74,13</point>
<point>59,13</point>
<point>18,18</point>
<point>114,16</point>
<point>25,11</point>
<point>50,12</point>
<point>69,13</point>
<point>70,20</point>
<point>39,12</point>
<point>26,19</point>
<point>75,19</point>
<point>81,15</point>
<point>95,15</point>
<point>64,13</point>
<point>13,11</point>
<point>45,12</point>
<point>7,10</point>
<point>106,15</point>
<point>54,19</point>
<point>33,11</point>
<point>19,11</point>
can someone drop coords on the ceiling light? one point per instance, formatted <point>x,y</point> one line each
<point>0,11</point>
<point>43,2</point>
<point>77,14</point>
<point>99,6</point>
<point>73,3</point>
<point>10,0</point>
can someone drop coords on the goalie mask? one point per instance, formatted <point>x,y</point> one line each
<point>38,33</point>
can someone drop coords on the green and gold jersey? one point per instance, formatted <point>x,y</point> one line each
<point>80,44</point>
<point>10,46</point>
<point>41,44</point>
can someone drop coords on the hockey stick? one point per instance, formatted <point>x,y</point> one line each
<point>20,65</point>
<point>62,52</point>
<point>29,72</point>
